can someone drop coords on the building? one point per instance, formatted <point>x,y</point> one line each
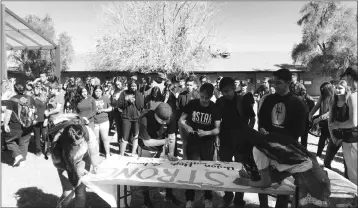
<point>241,65</point>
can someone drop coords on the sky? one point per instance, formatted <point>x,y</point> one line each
<point>245,27</point>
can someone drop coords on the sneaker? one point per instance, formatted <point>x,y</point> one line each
<point>208,203</point>
<point>17,160</point>
<point>172,199</point>
<point>189,204</point>
<point>38,154</point>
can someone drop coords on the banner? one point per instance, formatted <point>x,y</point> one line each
<point>185,174</point>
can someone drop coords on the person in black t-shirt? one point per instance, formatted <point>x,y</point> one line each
<point>157,129</point>
<point>17,137</point>
<point>201,119</point>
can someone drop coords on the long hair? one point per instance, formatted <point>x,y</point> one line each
<point>156,95</point>
<point>95,88</point>
<point>70,97</point>
<point>78,96</point>
<point>336,98</point>
<point>327,93</point>
<point>70,143</point>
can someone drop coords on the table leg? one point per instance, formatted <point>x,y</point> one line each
<point>125,196</point>
<point>296,196</point>
<point>118,196</point>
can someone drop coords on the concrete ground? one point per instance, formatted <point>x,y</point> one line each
<point>37,184</point>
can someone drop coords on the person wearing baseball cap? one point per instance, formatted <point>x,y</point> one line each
<point>157,129</point>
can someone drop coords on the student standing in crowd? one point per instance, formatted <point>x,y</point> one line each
<point>183,99</point>
<point>157,129</point>
<point>180,87</point>
<point>86,106</point>
<point>263,89</point>
<point>70,98</point>
<point>296,87</point>
<point>119,83</point>
<point>232,110</point>
<point>282,113</point>
<point>101,121</point>
<point>326,96</point>
<point>40,131</point>
<point>201,119</point>
<point>18,126</point>
<point>154,99</point>
<point>131,102</point>
<point>55,105</point>
<point>343,121</point>
<point>237,84</point>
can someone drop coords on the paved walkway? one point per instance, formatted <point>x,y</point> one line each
<point>37,184</point>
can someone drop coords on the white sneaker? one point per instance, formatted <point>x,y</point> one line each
<point>189,204</point>
<point>208,203</point>
<point>17,160</point>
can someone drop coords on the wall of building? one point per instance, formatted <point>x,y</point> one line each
<point>310,80</point>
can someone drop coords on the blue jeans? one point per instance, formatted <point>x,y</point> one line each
<point>17,141</point>
<point>67,187</point>
<point>200,150</point>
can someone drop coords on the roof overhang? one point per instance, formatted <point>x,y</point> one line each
<point>20,35</point>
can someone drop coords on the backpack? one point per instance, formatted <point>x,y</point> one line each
<point>26,112</point>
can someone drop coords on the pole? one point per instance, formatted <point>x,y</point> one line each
<point>58,63</point>
<point>3,43</point>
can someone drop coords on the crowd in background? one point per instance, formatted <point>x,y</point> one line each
<point>117,105</point>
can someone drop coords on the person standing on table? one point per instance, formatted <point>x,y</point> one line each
<point>233,113</point>
<point>283,113</point>
<point>279,156</point>
<point>347,128</point>
<point>157,128</point>
<point>201,119</point>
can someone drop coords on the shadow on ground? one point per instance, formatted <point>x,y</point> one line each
<point>31,197</point>
<point>157,196</point>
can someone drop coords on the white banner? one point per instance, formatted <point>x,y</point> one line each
<point>183,174</point>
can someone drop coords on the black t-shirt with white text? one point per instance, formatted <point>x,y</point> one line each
<point>149,128</point>
<point>200,117</point>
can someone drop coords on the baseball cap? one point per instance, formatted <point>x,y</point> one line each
<point>163,111</point>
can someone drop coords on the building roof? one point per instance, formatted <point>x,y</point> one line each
<point>237,61</point>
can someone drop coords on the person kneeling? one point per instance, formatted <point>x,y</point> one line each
<point>201,119</point>
<point>157,129</point>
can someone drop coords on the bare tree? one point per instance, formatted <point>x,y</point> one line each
<point>155,36</point>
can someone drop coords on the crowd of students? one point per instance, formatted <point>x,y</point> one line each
<point>214,121</point>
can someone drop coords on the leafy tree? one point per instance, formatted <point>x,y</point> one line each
<point>32,62</point>
<point>155,36</point>
<point>329,37</point>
